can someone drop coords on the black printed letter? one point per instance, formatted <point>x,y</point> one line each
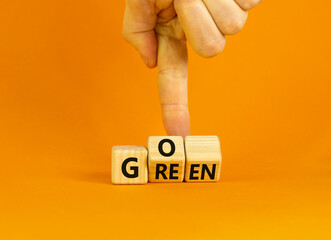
<point>157,172</point>
<point>172,171</point>
<point>192,171</point>
<point>134,169</point>
<point>173,148</point>
<point>211,174</point>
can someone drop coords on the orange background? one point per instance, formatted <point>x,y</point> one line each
<point>71,87</point>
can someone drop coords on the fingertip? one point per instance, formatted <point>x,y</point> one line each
<point>149,62</point>
<point>211,48</point>
<point>176,120</point>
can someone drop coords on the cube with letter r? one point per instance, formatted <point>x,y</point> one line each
<point>166,159</point>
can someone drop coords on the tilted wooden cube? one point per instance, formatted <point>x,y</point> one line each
<point>203,159</point>
<point>129,165</point>
<point>166,159</point>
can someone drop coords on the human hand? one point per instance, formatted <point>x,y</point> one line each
<point>158,29</point>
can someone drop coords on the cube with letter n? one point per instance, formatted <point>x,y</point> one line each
<point>203,159</point>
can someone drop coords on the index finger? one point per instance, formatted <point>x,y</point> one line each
<point>172,80</point>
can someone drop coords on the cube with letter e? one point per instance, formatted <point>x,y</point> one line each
<point>166,159</point>
<point>203,159</point>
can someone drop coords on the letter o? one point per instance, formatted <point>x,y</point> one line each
<point>172,145</point>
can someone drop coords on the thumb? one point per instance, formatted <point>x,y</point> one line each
<point>172,79</point>
<point>138,29</point>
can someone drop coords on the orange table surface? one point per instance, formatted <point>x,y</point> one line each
<point>71,88</point>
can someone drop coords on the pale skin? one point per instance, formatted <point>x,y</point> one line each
<point>159,30</point>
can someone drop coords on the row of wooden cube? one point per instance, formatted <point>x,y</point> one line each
<point>168,159</point>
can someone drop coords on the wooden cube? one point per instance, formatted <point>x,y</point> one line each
<point>129,165</point>
<point>203,159</point>
<point>166,159</point>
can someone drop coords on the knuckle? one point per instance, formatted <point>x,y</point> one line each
<point>125,34</point>
<point>212,48</point>
<point>183,5</point>
<point>172,73</point>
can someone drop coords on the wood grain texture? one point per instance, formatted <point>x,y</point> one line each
<point>203,159</point>
<point>168,168</point>
<point>136,167</point>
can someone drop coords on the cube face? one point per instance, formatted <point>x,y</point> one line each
<point>166,159</point>
<point>203,159</point>
<point>129,165</point>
